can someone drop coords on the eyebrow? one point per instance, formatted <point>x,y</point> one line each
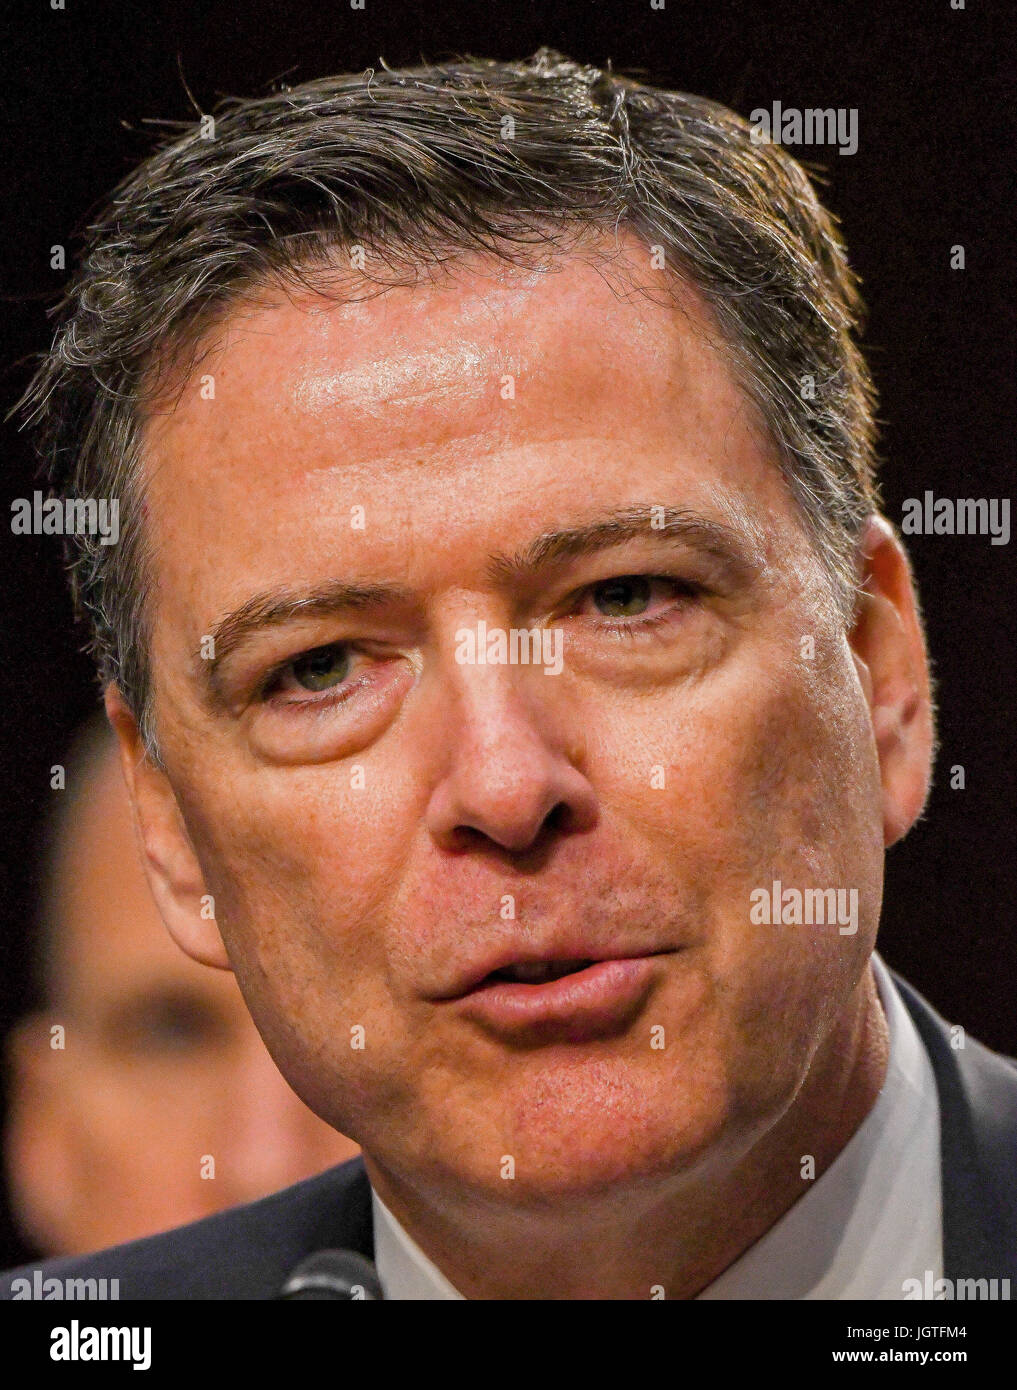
<point>328,600</point>
<point>734,549</point>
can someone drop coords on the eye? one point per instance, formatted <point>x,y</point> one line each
<point>165,1024</point>
<point>626,597</point>
<point>323,668</point>
<point>638,596</point>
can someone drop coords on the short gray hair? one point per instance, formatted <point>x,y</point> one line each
<point>419,165</point>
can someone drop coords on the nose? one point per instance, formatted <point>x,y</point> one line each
<point>513,776</point>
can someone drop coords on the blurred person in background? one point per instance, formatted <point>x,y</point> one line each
<point>142,1096</point>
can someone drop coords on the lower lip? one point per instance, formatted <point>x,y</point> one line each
<point>593,1002</point>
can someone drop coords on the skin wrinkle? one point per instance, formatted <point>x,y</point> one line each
<point>602,155</point>
<point>379,377</point>
<point>339,906</point>
<point>727,548</point>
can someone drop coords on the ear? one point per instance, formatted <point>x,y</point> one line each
<point>36,1148</point>
<point>889,650</point>
<point>171,865</point>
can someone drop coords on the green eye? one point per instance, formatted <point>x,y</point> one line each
<point>626,597</point>
<point>322,668</point>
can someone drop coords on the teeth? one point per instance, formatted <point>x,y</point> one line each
<point>539,972</point>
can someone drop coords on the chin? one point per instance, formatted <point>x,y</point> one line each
<point>583,1132</point>
<point>598,1167</point>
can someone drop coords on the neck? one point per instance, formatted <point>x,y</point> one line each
<point>680,1239</point>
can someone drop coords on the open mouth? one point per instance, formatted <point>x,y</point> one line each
<point>570,1001</point>
<point>535,972</point>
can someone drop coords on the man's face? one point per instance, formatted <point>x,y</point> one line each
<point>162,1106</point>
<point>383,823</point>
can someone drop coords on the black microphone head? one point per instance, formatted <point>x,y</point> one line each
<point>334,1274</point>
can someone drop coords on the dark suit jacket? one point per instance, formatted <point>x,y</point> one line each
<point>248,1252</point>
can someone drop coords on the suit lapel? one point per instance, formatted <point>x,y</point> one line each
<point>347,1220</point>
<point>978,1136</point>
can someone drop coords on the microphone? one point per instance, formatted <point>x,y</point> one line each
<point>334,1274</point>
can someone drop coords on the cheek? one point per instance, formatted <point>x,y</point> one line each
<point>302,869</point>
<point>767,774</point>
<point>761,765</point>
<point>124,1136</point>
<point>299,861</point>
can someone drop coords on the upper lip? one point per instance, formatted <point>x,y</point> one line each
<point>473,976</point>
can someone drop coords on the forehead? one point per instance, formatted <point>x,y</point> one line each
<point>481,396</point>
<point>419,364</point>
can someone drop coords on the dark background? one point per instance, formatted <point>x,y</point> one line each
<point>81,86</point>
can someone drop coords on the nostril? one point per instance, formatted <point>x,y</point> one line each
<point>558,818</point>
